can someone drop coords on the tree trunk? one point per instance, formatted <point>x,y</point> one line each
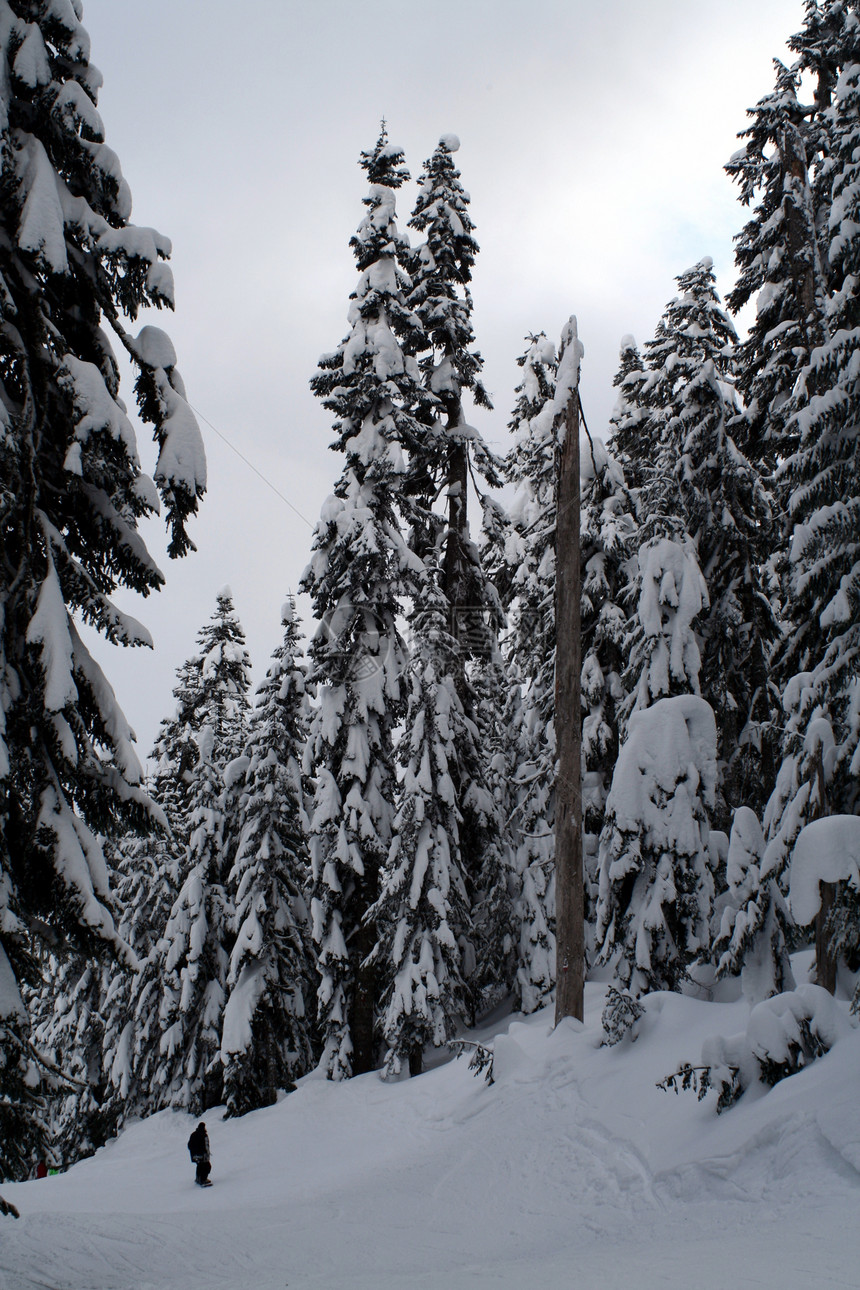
<point>570,913</point>
<point>453,571</point>
<point>363,1009</point>
<point>825,963</point>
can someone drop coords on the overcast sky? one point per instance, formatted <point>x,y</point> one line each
<point>593,137</point>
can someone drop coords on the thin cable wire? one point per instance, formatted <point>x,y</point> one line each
<point>251,466</point>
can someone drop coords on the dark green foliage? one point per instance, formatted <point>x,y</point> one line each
<point>620,1013</point>
<point>360,572</point>
<point>481,1062</point>
<point>701,1079</point>
<point>72,496</point>
<point>268,1020</point>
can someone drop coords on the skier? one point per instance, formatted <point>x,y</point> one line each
<point>198,1146</point>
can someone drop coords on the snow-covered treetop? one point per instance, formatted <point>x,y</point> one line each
<point>441,269</point>
<point>371,381</point>
<point>694,327</point>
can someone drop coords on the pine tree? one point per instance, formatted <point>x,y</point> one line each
<point>267,1030</point>
<point>822,645</point>
<point>781,264</point>
<point>727,513</point>
<point>700,487</point>
<point>485,805</point>
<point>360,570</point>
<point>609,531</point>
<point>693,330</point>
<point>71,499</point>
<point>528,578</point>
<point>193,955</point>
<point>453,453</point>
<point>754,930</point>
<point>630,435</point>
<point>656,885</point>
<point>824,574</point>
<point>149,876</point>
<point>70,1031</point>
<point>423,909</point>
<point>654,870</point>
<point>664,658</point>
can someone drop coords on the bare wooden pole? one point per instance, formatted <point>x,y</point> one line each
<point>570,913</point>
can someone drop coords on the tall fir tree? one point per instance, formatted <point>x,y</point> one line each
<point>700,486</point>
<point>654,868</point>
<point>361,569</point>
<point>781,265</point>
<point>822,644</point>
<point>423,909</point>
<point>753,937</point>
<point>149,876</point>
<point>194,953</point>
<point>453,455</point>
<point>72,495</point>
<point>728,514</point>
<point>630,435</point>
<point>267,1039</point>
<point>528,578</point>
<point>609,530</point>
<point>693,330</point>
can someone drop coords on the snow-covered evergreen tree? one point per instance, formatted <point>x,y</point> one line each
<point>267,1029</point>
<point>453,452</point>
<point>693,330</point>
<point>149,874</point>
<point>664,658</point>
<point>360,570</point>
<point>753,935</point>
<point>608,535</point>
<point>780,263</point>
<point>822,644</point>
<point>71,1033</point>
<point>73,268</point>
<point>528,580</point>
<point>194,953</point>
<point>701,487</point>
<point>654,869</point>
<point>727,513</point>
<point>486,809</point>
<point>423,908</point>
<point>656,885</point>
<point>191,959</point>
<point>629,438</point>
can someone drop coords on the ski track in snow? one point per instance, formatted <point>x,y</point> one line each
<point>571,1171</point>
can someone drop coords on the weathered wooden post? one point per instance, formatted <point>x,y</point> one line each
<point>570,913</point>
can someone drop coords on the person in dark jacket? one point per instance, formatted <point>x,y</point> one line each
<point>198,1145</point>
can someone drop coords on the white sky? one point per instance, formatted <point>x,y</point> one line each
<point>593,138</point>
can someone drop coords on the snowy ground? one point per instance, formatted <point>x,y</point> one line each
<point>572,1170</point>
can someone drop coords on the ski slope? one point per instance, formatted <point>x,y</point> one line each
<point>571,1170</point>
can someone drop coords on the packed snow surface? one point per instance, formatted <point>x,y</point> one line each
<point>571,1171</point>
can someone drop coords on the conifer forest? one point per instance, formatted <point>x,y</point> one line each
<point>352,865</point>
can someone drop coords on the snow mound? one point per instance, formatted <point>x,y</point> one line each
<point>450,141</point>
